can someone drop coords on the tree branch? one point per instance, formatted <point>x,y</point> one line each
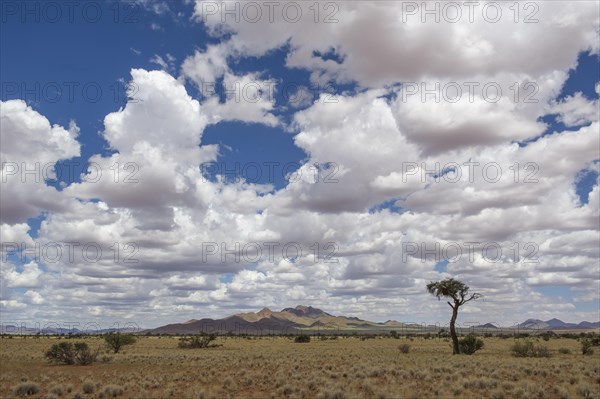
<point>473,296</point>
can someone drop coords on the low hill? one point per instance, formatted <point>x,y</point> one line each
<point>288,320</point>
<point>309,319</point>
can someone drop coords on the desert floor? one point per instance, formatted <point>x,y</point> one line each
<point>279,368</point>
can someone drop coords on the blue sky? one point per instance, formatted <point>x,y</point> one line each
<point>366,133</point>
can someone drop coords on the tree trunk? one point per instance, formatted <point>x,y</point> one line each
<point>455,348</point>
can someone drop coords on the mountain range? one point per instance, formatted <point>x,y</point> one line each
<point>556,324</point>
<point>288,320</point>
<point>11,329</point>
<point>310,319</point>
<point>297,320</point>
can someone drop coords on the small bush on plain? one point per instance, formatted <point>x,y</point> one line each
<point>57,390</point>
<point>26,389</point>
<point>201,340</point>
<point>470,344</point>
<point>69,353</point>
<point>528,349</point>
<point>113,391</point>
<point>302,338</point>
<point>116,341</point>
<point>586,347</point>
<point>87,387</point>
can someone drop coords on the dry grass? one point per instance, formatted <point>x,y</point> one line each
<point>279,368</point>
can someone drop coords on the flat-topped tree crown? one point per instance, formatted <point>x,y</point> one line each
<point>451,288</point>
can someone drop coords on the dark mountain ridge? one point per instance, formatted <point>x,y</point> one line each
<point>310,319</point>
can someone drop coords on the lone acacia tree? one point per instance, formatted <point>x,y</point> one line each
<point>117,340</point>
<point>459,293</point>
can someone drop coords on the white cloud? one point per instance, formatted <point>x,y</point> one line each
<point>407,48</point>
<point>30,148</point>
<point>159,101</point>
<point>358,145</point>
<point>204,68</point>
<point>249,99</point>
<point>576,110</point>
<point>29,277</point>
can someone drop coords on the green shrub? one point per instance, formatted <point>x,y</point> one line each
<point>61,353</point>
<point>113,391</point>
<point>470,344</point>
<point>57,390</point>
<point>87,387</point>
<point>586,346</point>
<point>26,389</point>
<point>83,355</point>
<point>564,351</point>
<point>117,340</point>
<point>71,353</point>
<point>404,348</point>
<point>201,340</point>
<point>528,349</point>
<point>302,338</point>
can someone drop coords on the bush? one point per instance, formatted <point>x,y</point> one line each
<point>61,353</point>
<point>69,353</point>
<point>586,347</point>
<point>83,355</point>
<point>302,338</point>
<point>404,348</point>
<point>470,344</point>
<point>564,351</point>
<point>87,387</point>
<point>57,390</point>
<point>26,389</point>
<point>117,340</point>
<point>527,349</point>
<point>201,340</point>
<point>113,391</point>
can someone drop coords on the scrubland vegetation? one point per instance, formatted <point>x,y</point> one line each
<point>265,367</point>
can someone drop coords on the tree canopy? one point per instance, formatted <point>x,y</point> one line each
<point>454,289</point>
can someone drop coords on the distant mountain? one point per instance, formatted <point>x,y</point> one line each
<point>556,324</point>
<point>288,320</point>
<point>486,325</point>
<point>21,330</point>
<point>306,311</point>
<point>310,319</point>
<point>296,320</point>
<point>587,324</point>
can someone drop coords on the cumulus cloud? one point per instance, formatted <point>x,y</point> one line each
<point>249,99</point>
<point>204,68</point>
<point>30,149</point>
<point>391,181</point>
<point>576,110</point>
<point>410,43</point>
